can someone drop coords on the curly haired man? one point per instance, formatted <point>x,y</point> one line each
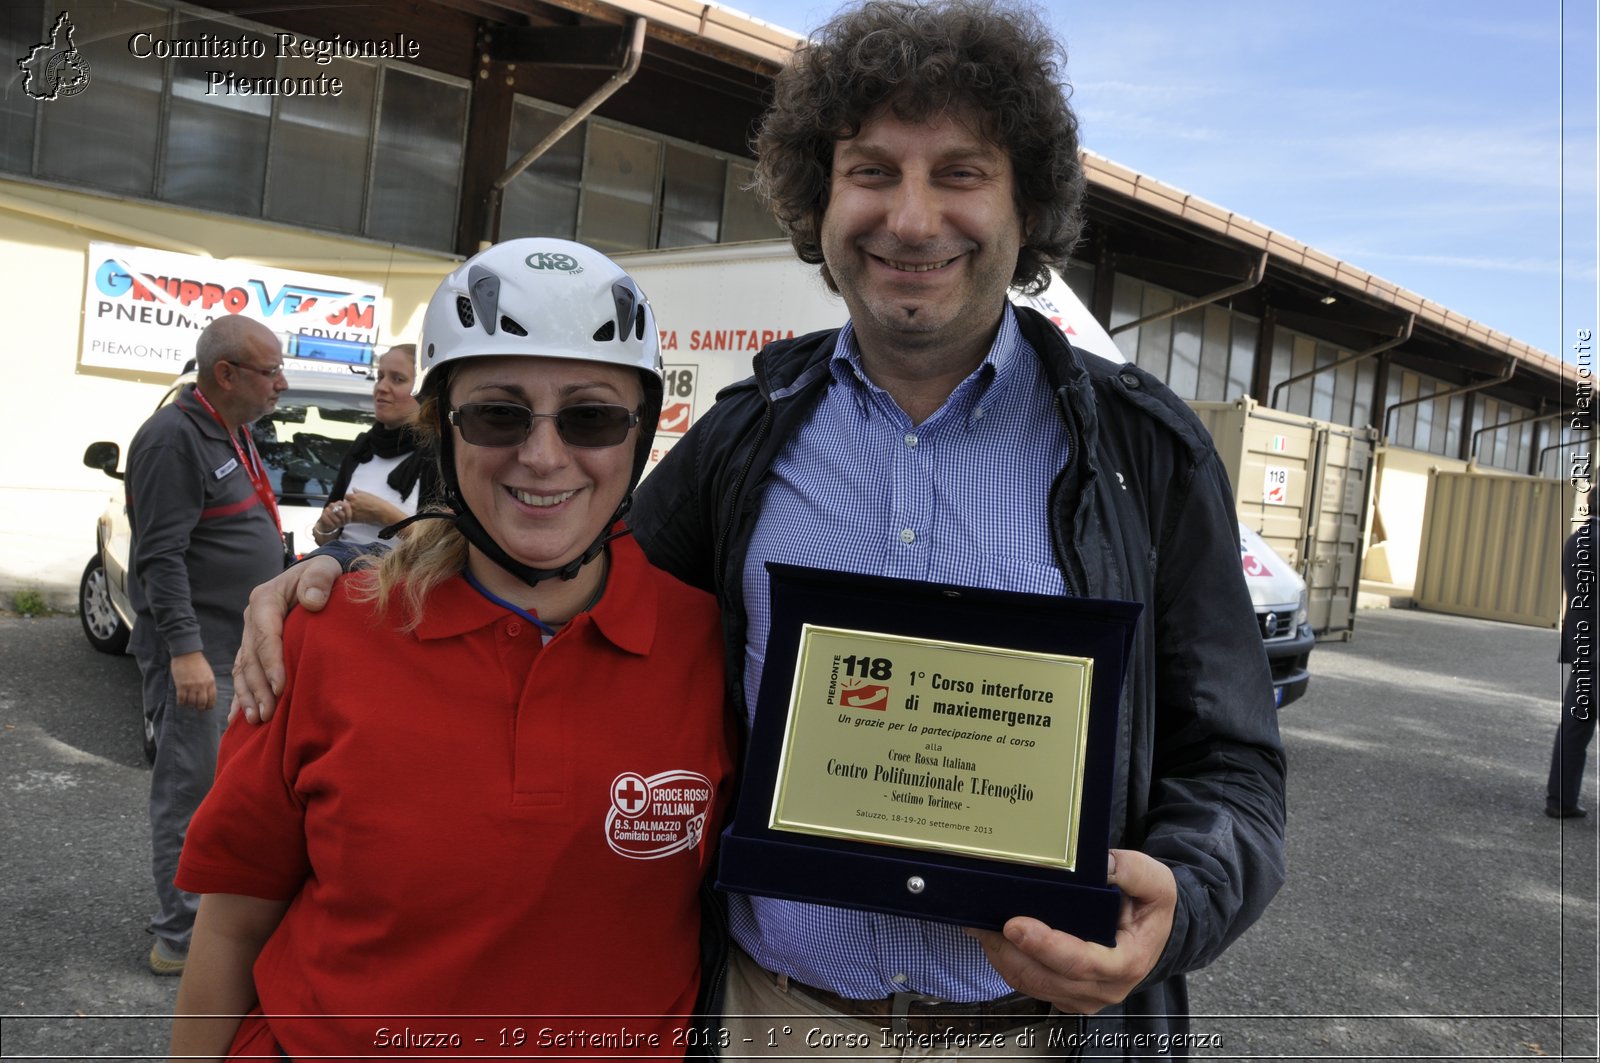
<point>926,157</point>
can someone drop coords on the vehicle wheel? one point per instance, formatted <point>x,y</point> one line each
<point>101,625</point>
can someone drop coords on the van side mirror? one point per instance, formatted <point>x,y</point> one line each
<point>103,456</point>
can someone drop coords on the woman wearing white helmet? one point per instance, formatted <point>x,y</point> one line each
<point>518,822</point>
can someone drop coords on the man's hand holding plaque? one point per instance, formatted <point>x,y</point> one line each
<point>1078,976</point>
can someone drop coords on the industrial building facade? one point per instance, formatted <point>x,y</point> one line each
<point>383,148</point>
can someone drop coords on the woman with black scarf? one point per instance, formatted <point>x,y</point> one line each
<point>387,471</point>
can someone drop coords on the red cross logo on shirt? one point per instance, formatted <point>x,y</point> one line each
<point>630,794</point>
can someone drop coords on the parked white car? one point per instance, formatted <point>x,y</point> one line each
<point>1279,595</point>
<point>302,443</point>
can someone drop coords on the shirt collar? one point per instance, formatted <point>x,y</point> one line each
<point>189,403</point>
<point>625,615</point>
<point>627,612</point>
<point>983,387</point>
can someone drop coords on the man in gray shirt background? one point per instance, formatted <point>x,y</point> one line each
<point>205,531</point>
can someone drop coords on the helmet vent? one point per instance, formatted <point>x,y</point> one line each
<point>638,323</point>
<point>629,303</point>
<point>484,289</point>
<point>512,327</point>
<point>464,311</point>
<point>606,332</point>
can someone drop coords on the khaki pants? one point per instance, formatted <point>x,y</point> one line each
<point>766,1019</point>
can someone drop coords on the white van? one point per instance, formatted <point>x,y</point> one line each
<point>718,305</point>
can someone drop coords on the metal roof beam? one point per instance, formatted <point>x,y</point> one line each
<point>579,47</point>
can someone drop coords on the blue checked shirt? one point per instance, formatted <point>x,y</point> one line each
<point>960,498</point>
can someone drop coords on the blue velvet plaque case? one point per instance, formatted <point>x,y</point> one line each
<point>906,880</point>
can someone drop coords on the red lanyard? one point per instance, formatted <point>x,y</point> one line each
<point>253,465</point>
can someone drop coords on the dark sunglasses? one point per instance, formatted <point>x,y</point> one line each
<point>505,424</point>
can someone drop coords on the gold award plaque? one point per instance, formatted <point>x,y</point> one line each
<point>940,746</point>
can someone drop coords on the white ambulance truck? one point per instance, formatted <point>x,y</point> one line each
<point>720,304</point>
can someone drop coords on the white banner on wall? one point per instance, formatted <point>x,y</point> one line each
<point>143,309</point>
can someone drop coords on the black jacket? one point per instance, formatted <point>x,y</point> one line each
<point>1577,559</point>
<point>1142,511</point>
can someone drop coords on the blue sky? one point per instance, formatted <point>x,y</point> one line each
<point>1419,140</point>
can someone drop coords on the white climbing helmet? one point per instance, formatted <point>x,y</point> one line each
<point>542,298</point>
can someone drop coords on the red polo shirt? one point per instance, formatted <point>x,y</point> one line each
<point>470,823</point>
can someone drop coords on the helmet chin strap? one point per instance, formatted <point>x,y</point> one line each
<point>472,529</point>
<point>467,524</point>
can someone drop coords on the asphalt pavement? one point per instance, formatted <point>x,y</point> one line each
<point>1432,910</point>
<point>75,895</point>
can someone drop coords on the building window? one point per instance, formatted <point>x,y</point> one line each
<point>1339,396</point>
<point>1423,437</point>
<point>217,134</point>
<point>1183,372</point>
<point>543,199</point>
<point>620,188</point>
<point>1302,362</point>
<point>1402,415</point>
<point>691,198</point>
<point>1452,439</point>
<point>386,165</point>
<point>1206,354</point>
<point>1434,425</point>
<point>1080,278</point>
<point>1560,447</point>
<point>744,215</point>
<point>621,173</point>
<point>23,26</point>
<point>1366,383</point>
<point>1324,384</point>
<point>1213,385</point>
<point>101,137</point>
<point>318,158</point>
<point>1242,355</point>
<point>416,164</point>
